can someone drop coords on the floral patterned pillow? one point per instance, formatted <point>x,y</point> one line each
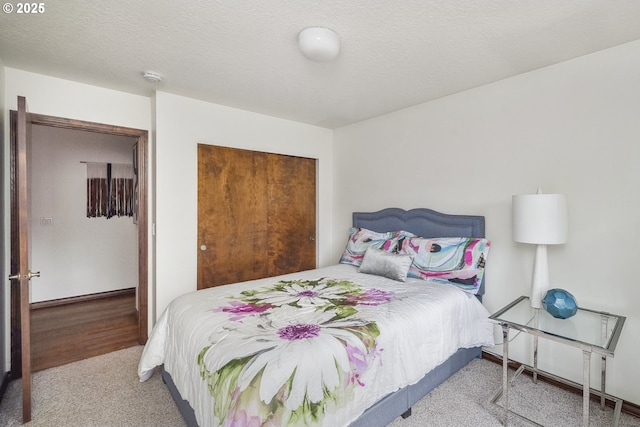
<point>360,239</point>
<point>458,261</point>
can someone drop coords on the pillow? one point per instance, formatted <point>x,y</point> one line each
<point>455,260</point>
<point>395,244</point>
<point>381,263</point>
<point>360,239</point>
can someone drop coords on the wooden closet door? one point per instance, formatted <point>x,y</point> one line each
<point>232,229</point>
<point>291,213</point>
<point>256,215</point>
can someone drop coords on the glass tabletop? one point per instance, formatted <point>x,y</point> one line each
<point>595,329</point>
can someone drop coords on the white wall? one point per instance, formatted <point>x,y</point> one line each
<point>182,123</point>
<point>64,98</point>
<point>572,128</point>
<point>76,255</point>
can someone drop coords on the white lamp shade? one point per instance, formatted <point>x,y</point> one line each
<point>319,44</point>
<point>540,219</point>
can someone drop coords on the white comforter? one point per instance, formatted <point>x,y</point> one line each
<point>296,350</point>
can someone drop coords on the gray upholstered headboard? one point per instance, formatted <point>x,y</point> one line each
<point>423,222</point>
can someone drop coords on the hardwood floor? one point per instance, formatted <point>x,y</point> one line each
<point>70,332</point>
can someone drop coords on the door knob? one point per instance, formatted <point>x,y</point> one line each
<point>27,276</point>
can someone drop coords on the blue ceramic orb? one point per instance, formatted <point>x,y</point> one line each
<point>560,303</point>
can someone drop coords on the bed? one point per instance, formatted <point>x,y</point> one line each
<point>354,344</point>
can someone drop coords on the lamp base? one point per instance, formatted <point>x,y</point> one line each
<point>540,279</point>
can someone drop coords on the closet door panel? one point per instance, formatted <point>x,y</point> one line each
<point>291,208</point>
<point>232,227</point>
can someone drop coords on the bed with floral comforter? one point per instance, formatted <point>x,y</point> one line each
<point>314,348</point>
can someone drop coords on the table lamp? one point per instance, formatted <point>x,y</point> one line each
<point>540,219</point>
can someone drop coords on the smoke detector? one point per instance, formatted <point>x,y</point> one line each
<point>152,76</point>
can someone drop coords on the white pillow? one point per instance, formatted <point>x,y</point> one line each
<point>381,263</point>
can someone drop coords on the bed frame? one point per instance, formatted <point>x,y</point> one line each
<point>425,223</point>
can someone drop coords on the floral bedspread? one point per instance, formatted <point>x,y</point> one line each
<point>311,349</point>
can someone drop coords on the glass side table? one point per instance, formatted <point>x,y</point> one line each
<point>589,330</point>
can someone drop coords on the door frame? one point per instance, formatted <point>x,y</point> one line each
<point>142,137</point>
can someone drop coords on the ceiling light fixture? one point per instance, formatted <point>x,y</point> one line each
<point>152,76</point>
<point>319,44</point>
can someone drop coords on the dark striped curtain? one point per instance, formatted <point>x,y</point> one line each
<point>109,190</point>
<point>97,197</point>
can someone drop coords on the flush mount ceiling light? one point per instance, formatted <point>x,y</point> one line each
<point>319,44</point>
<point>152,76</point>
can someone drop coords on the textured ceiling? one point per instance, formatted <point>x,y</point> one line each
<point>244,54</point>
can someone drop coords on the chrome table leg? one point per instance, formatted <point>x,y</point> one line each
<point>505,373</point>
<point>586,388</point>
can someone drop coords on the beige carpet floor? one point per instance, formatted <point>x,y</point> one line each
<point>104,391</point>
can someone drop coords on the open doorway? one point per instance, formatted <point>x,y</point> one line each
<point>78,255</point>
<point>139,138</point>
<point>83,304</point>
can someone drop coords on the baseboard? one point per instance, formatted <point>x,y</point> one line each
<point>82,298</point>
<point>4,384</point>
<point>627,407</point>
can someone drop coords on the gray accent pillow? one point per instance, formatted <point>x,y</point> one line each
<point>381,263</point>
